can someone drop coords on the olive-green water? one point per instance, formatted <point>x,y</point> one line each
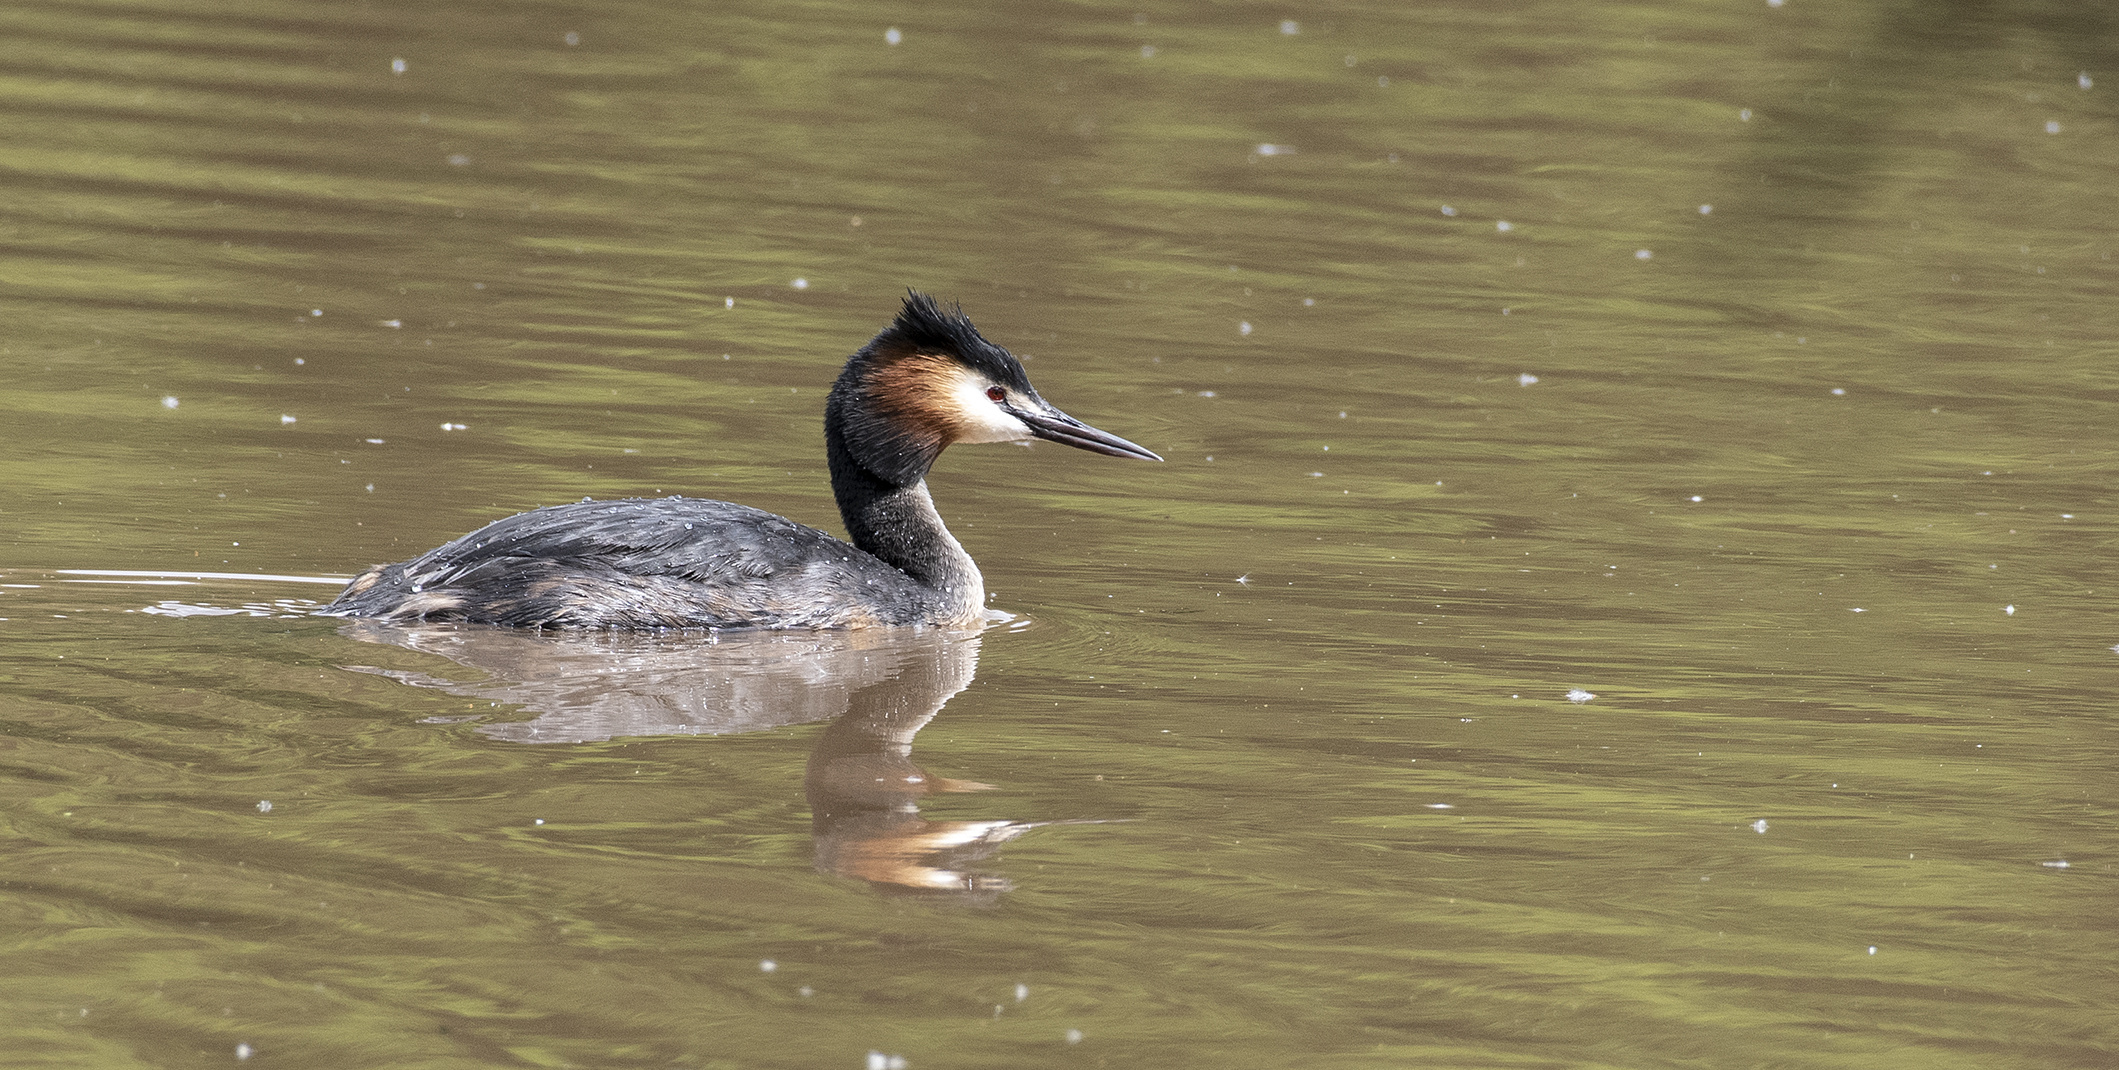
<point>1632,584</point>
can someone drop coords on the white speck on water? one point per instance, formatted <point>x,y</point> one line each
<point>1872,949</point>
<point>457,159</point>
<point>244,1051</point>
<point>1290,27</point>
<point>1697,498</point>
<point>1644,254</point>
<point>169,402</point>
<point>1244,328</point>
<point>300,360</point>
<point>2009,610</point>
<point>1207,394</point>
<point>1525,378</point>
<point>286,419</point>
<point>264,806</point>
<point>2083,80</point>
<point>892,36</point>
<point>1504,226</point>
<point>1743,115</point>
<point>1022,992</point>
<point>371,488</point>
<point>805,991</point>
<point>728,302</point>
<point>1448,211</point>
<point>1316,475</point>
<point>1839,391</point>
<point>455,427</point>
<point>1857,609</point>
<point>879,1061</point>
<point>397,66</point>
<point>1268,149</point>
<point>2052,126</point>
<point>1147,51</point>
<point>1578,696</point>
<point>316,312</point>
<point>537,821</point>
<point>767,966</point>
<point>571,38</point>
<point>1074,1036</point>
<point>800,284</point>
<point>1775,3</point>
<point>393,324</point>
<point>1706,209</point>
<point>1309,302</point>
<point>1441,806</point>
<point>2060,863</point>
<point>1759,826</point>
<point>2067,516</point>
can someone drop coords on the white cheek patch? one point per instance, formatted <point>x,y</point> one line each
<point>978,417</point>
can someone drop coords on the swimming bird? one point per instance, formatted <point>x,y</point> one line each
<point>927,381</point>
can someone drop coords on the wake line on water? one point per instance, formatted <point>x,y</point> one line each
<point>172,578</point>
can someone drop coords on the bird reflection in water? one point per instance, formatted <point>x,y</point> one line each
<point>878,686</point>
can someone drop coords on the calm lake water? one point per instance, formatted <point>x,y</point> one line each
<point>1632,584</point>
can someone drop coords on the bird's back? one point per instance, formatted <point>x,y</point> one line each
<point>644,563</point>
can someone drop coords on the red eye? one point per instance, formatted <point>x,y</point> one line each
<point>994,393</point>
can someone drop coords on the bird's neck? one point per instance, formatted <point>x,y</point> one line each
<point>898,524</point>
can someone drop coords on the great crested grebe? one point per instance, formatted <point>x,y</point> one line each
<point>928,380</point>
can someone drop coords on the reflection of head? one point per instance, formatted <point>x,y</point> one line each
<point>864,791</point>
